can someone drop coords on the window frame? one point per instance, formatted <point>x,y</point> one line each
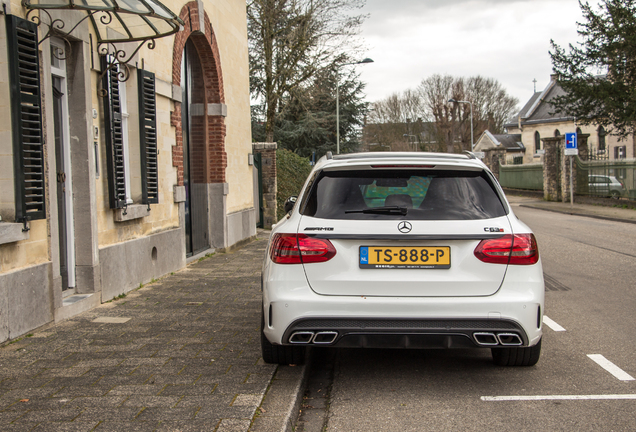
<point>602,143</point>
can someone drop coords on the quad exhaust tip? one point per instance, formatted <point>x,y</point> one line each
<point>486,339</point>
<point>509,339</point>
<point>325,337</point>
<point>318,338</point>
<point>492,339</point>
<point>302,337</point>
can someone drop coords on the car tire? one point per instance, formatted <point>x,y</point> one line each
<point>615,194</point>
<point>517,356</point>
<point>280,354</point>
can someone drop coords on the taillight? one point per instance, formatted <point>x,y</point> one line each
<point>297,249</point>
<point>518,249</point>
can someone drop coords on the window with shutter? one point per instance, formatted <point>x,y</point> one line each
<point>148,137</point>
<point>114,135</point>
<point>26,117</point>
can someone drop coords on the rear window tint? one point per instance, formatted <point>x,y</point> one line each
<point>386,194</point>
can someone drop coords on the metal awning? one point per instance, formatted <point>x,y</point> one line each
<point>114,21</point>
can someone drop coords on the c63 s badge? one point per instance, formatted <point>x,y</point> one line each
<point>494,229</point>
<point>319,229</point>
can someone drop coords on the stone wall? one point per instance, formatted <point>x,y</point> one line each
<point>551,168</point>
<point>556,168</point>
<point>494,158</point>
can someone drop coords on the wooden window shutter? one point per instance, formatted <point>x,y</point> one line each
<point>26,118</point>
<point>114,136</point>
<point>148,137</point>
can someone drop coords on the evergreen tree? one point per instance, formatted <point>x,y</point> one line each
<point>599,75</point>
<point>307,120</point>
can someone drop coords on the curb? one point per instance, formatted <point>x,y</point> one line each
<point>575,213</point>
<point>280,406</point>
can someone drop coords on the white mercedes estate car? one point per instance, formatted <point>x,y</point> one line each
<point>402,250</point>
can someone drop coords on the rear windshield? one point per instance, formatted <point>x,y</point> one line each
<point>393,194</point>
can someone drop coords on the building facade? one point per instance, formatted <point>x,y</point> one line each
<point>538,120</point>
<point>511,145</point>
<point>117,165</point>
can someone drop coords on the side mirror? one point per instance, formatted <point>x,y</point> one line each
<point>289,204</point>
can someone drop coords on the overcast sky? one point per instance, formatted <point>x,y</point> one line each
<point>508,40</point>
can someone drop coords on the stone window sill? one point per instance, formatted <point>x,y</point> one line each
<point>12,232</point>
<point>134,211</point>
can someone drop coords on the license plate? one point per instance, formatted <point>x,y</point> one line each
<point>412,257</point>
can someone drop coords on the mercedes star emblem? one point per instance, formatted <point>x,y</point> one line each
<point>405,227</point>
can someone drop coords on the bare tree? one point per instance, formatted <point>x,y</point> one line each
<point>491,107</point>
<point>292,39</point>
<point>425,115</point>
<point>396,122</point>
<point>435,92</point>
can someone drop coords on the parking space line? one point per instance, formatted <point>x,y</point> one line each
<point>553,325</point>
<point>611,367</point>
<point>558,397</point>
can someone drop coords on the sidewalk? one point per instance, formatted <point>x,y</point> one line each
<point>180,354</point>
<point>589,210</point>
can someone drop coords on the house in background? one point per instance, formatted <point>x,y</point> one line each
<point>512,144</point>
<point>117,165</point>
<point>537,120</point>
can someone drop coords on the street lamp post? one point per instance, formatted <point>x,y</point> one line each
<point>472,141</point>
<point>366,60</point>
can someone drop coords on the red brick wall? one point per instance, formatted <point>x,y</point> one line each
<point>209,147</point>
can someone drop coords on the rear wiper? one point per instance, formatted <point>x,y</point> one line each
<point>390,210</point>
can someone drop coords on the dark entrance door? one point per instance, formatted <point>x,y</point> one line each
<point>61,180</point>
<point>64,192</point>
<point>193,121</point>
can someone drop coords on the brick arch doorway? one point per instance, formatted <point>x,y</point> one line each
<point>194,125</point>
<point>199,120</point>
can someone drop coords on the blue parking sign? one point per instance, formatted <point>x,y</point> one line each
<point>570,141</point>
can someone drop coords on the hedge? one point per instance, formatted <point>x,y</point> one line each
<point>291,172</point>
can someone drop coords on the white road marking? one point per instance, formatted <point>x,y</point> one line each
<point>611,367</point>
<point>558,397</point>
<point>553,325</point>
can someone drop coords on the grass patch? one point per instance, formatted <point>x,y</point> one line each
<point>119,297</point>
<point>207,255</point>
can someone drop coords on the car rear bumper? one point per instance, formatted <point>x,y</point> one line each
<point>290,306</point>
<point>443,322</point>
<point>404,333</point>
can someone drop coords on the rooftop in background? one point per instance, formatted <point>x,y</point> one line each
<point>538,109</point>
<point>511,142</point>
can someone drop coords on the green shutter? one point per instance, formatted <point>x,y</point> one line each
<point>148,137</point>
<point>114,136</point>
<point>26,118</point>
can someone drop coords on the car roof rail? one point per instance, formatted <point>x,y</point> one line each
<point>470,154</point>
<point>329,155</point>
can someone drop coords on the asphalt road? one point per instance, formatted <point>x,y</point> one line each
<point>585,367</point>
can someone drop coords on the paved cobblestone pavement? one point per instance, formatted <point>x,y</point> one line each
<point>180,354</point>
